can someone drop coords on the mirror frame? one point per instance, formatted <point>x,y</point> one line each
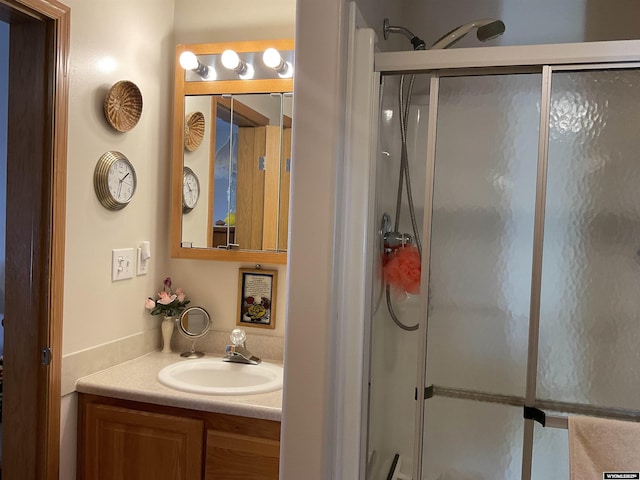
<point>219,87</point>
<point>185,333</point>
<point>193,353</point>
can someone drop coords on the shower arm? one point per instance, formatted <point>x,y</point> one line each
<point>418,43</point>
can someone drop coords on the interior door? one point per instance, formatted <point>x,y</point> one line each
<point>36,158</point>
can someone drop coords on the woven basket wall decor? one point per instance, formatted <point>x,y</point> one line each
<point>123,105</point>
<point>193,131</point>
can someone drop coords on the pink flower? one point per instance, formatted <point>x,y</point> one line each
<point>181,295</point>
<point>168,301</point>
<point>165,299</point>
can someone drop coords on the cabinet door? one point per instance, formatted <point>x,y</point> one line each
<point>232,456</point>
<point>125,444</point>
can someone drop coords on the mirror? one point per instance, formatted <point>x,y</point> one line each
<point>232,153</point>
<point>194,323</point>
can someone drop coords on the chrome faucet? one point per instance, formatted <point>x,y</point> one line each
<point>237,352</point>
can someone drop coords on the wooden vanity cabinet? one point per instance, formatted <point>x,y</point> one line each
<point>237,447</point>
<point>126,440</point>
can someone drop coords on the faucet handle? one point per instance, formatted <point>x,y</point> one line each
<point>238,337</point>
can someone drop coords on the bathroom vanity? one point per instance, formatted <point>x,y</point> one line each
<point>130,426</point>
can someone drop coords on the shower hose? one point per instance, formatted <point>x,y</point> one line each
<point>404,178</point>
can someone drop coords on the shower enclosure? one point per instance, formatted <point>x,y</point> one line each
<point>525,167</point>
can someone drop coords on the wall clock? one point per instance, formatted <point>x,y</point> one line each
<point>190,190</point>
<point>114,180</point>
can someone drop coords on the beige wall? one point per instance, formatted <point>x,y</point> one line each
<point>112,41</point>
<point>203,21</point>
<point>125,39</point>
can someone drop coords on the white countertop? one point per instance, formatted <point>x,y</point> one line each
<point>137,380</point>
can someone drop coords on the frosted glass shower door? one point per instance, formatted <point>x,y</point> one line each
<point>590,304</point>
<point>480,281</point>
<point>590,307</point>
<point>531,259</point>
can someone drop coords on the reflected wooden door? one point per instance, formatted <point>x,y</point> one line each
<point>285,186</point>
<point>250,187</point>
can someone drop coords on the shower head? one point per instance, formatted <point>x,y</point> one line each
<point>418,43</point>
<point>490,30</point>
<point>487,29</point>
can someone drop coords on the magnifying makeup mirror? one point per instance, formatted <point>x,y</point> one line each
<point>194,323</point>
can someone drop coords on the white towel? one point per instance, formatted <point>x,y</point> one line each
<point>598,446</point>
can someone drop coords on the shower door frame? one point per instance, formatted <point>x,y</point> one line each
<point>541,59</point>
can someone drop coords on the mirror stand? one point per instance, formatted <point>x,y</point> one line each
<point>192,353</point>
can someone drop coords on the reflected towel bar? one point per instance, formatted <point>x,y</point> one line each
<point>536,413</point>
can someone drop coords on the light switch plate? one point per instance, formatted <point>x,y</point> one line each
<point>122,264</point>
<point>142,265</point>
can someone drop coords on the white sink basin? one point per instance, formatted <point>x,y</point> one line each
<point>214,377</point>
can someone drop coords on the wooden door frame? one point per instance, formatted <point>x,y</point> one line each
<point>39,53</point>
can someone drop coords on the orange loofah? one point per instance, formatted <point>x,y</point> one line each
<point>403,269</point>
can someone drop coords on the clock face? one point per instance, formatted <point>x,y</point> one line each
<point>190,190</point>
<point>114,180</point>
<point>122,181</point>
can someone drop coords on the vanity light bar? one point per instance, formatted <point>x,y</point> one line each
<point>231,65</point>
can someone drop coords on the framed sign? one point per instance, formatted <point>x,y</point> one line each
<point>257,297</point>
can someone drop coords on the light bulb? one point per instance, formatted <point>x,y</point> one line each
<point>272,59</point>
<point>188,61</point>
<point>230,60</point>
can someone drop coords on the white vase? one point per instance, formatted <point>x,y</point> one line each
<point>168,324</point>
